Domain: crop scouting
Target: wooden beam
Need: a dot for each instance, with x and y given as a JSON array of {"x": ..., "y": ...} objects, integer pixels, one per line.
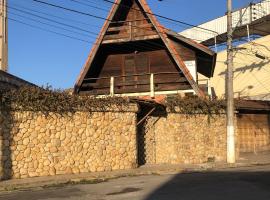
[
  {"x": 126, "y": 27},
  {"x": 144, "y": 118},
  {"x": 140, "y": 38}
]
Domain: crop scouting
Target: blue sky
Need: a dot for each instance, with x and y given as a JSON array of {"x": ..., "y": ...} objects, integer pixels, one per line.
[{"x": 46, "y": 58}]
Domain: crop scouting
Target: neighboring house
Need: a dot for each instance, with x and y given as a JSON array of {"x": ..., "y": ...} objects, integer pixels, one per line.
[
  {"x": 252, "y": 86},
  {"x": 251, "y": 71},
  {"x": 135, "y": 56},
  {"x": 10, "y": 81}
]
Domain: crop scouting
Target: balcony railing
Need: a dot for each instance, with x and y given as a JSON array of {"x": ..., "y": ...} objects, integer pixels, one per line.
[{"x": 144, "y": 84}]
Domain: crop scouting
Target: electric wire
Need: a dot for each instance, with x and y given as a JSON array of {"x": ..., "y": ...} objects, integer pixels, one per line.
[
  {"x": 54, "y": 21},
  {"x": 164, "y": 47},
  {"x": 55, "y": 16},
  {"x": 51, "y": 25},
  {"x": 88, "y": 5},
  {"x": 41, "y": 28}
]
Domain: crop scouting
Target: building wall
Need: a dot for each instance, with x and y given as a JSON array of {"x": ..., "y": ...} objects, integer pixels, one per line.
[
  {"x": 33, "y": 144},
  {"x": 251, "y": 74},
  {"x": 189, "y": 139}
]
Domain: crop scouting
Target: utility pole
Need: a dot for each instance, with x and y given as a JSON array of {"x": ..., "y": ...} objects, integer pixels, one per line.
[
  {"x": 3, "y": 36},
  {"x": 229, "y": 89}
]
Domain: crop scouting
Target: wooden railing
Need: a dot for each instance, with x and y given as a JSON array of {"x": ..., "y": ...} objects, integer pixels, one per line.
[
  {"x": 136, "y": 83},
  {"x": 149, "y": 83}
]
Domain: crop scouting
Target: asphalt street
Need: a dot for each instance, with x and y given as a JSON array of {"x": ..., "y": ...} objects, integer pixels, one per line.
[{"x": 239, "y": 184}]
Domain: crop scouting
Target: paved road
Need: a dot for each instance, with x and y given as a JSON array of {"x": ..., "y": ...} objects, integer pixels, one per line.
[{"x": 244, "y": 184}]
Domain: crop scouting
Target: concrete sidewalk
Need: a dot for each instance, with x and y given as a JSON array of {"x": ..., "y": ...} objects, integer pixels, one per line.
[
  {"x": 91, "y": 178},
  {"x": 94, "y": 177}
]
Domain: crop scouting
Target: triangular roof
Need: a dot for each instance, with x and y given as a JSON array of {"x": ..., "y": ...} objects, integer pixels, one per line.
[{"x": 161, "y": 31}]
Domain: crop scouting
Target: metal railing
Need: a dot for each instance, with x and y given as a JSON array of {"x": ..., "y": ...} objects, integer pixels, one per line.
[{"x": 241, "y": 18}]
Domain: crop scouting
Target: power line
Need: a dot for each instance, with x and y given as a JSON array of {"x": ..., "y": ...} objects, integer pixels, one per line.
[
  {"x": 87, "y": 14},
  {"x": 55, "y": 16},
  {"x": 151, "y": 43},
  {"x": 163, "y": 17},
  {"x": 145, "y": 46},
  {"x": 88, "y": 5},
  {"x": 40, "y": 28},
  {"x": 93, "y": 2},
  {"x": 85, "y": 4},
  {"x": 59, "y": 34},
  {"x": 51, "y": 20},
  {"x": 44, "y": 23},
  {"x": 103, "y": 18},
  {"x": 71, "y": 10},
  {"x": 54, "y": 32}
]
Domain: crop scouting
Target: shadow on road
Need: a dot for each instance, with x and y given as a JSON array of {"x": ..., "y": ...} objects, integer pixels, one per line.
[{"x": 215, "y": 186}]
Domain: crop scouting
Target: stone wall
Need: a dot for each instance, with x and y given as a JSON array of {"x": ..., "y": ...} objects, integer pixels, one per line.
[
  {"x": 189, "y": 139},
  {"x": 34, "y": 144}
]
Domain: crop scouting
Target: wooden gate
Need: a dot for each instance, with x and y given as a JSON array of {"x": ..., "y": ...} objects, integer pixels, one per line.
[{"x": 253, "y": 132}]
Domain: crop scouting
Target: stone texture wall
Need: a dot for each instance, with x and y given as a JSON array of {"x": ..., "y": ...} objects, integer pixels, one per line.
[
  {"x": 33, "y": 144},
  {"x": 179, "y": 138}
]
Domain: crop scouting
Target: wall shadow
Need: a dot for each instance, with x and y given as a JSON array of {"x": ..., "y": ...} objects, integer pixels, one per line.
[
  {"x": 6, "y": 161},
  {"x": 248, "y": 68},
  {"x": 241, "y": 185}
]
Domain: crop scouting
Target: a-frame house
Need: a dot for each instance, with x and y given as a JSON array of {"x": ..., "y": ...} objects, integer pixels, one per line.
[{"x": 135, "y": 55}]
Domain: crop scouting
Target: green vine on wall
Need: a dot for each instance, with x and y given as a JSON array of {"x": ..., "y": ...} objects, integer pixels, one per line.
[
  {"x": 48, "y": 100},
  {"x": 195, "y": 105}
]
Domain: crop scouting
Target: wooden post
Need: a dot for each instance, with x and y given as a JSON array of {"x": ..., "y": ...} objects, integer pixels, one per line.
[
  {"x": 112, "y": 86},
  {"x": 152, "y": 86}
]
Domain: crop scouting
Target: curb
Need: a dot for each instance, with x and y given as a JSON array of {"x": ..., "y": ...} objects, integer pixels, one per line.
[
  {"x": 84, "y": 180},
  {"x": 90, "y": 179}
]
